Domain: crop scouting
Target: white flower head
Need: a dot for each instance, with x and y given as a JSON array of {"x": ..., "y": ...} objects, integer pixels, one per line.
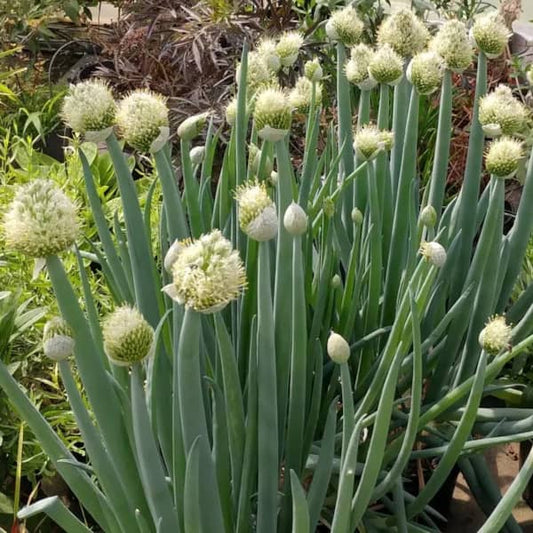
[
  {"x": 58, "y": 343},
  {"x": 258, "y": 73},
  {"x": 386, "y": 66},
  {"x": 496, "y": 335},
  {"x": 197, "y": 154},
  {"x": 295, "y": 220},
  {"x": 313, "y": 70},
  {"x": 452, "y": 43},
  {"x": 503, "y": 157},
  {"x": 356, "y": 68},
  {"x": 191, "y": 127},
  {"x": 500, "y": 113},
  {"x": 301, "y": 94},
  {"x": 288, "y": 47},
  {"x": 272, "y": 114},
  {"x": 425, "y": 72},
  {"x": 428, "y": 216},
  {"x": 434, "y": 253},
  {"x": 257, "y": 212},
  {"x": 266, "y": 49},
  {"x": 490, "y": 34},
  {"x": 369, "y": 141},
  {"x": 345, "y": 26}
]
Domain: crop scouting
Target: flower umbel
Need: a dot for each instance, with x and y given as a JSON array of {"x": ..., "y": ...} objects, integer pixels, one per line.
[
  {"x": 257, "y": 212},
  {"x": 313, "y": 70},
  {"x": 490, "y": 34},
  {"x": 356, "y": 69},
  {"x": 128, "y": 338},
  {"x": 58, "y": 343},
  {"x": 142, "y": 118},
  {"x": 272, "y": 114},
  {"x": 207, "y": 274},
  {"x": 404, "y": 32},
  {"x": 434, "y": 253},
  {"x": 386, "y": 66},
  {"x": 501, "y": 113},
  {"x": 266, "y": 50},
  {"x": 425, "y": 72},
  {"x": 496, "y": 335},
  {"x": 41, "y": 220},
  {"x": 301, "y": 94},
  {"x": 345, "y": 26},
  {"x": 503, "y": 157},
  {"x": 370, "y": 140},
  {"x": 288, "y": 47},
  {"x": 452, "y": 44}
]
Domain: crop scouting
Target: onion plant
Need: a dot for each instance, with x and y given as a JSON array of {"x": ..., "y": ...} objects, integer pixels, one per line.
[{"x": 296, "y": 339}]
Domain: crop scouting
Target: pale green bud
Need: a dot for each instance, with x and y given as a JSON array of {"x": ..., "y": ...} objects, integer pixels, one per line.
[
  {"x": 336, "y": 281},
  {"x": 313, "y": 70},
  {"x": 300, "y": 96},
  {"x": 257, "y": 212},
  {"x": 288, "y": 47},
  {"x": 328, "y": 206},
  {"x": 338, "y": 349},
  {"x": 197, "y": 154},
  {"x": 272, "y": 114},
  {"x": 369, "y": 141},
  {"x": 191, "y": 127},
  {"x": 490, "y": 34},
  {"x": 345, "y": 26},
  {"x": 452, "y": 43},
  {"x": 41, "y": 220},
  {"x": 386, "y": 66},
  {"x": 142, "y": 119},
  {"x": 503, "y": 157},
  {"x": 425, "y": 72},
  {"x": 495, "y": 336},
  {"x": 295, "y": 220},
  {"x": 433, "y": 253},
  {"x": 128, "y": 338},
  {"x": 58, "y": 343},
  {"x": 90, "y": 108},
  {"x": 356, "y": 69},
  {"x": 404, "y": 32},
  {"x": 357, "y": 216},
  {"x": 207, "y": 274},
  {"x": 428, "y": 216},
  {"x": 501, "y": 113}
]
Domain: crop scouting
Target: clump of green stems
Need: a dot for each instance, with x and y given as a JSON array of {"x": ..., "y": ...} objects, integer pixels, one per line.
[{"x": 240, "y": 421}]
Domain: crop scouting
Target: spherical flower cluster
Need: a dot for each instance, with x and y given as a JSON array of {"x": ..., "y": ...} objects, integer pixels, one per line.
[
  {"x": 288, "y": 47},
  {"x": 231, "y": 111},
  {"x": 142, "y": 119},
  {"x": 452, "y": 43},
  {"x": 191, "y": 127},
  {"x": 300, "y": 96},
  {"x": 338, "y": 349},
  {"x": 495, "y": 336},
  {"x": 207, "y": 274},
  {"x": 41, "y": 220},
  {"x": 356, "y": 69},
  {"x": 425, "y": 72},
  {"x": 257, "y": 213},
  {"x": 386, "y": 66},
  {"x": 404, "y": 32},
  {"x": 490, "y": 34},
  {"x": 501, "y": 113},
  {"x": 369, "y": 141},
  {"x": 272, "y": 114},
  {"x": 258, "y": 73},
  {"x": 295, "y": 220},
  {"x": 345, "y": 26},
  {"x": 58, "y": 343},
  {"x": 90, "y": 108},
  {"x": 434, "y": 253},
  {"x": 313, "y": 70},
  {"x": 266, "y": 49},
  {"x": 128, "y": 338},
  {"x": 503, "y": 157}
]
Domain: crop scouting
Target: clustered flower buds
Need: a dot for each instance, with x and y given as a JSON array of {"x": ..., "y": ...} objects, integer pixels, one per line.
[
  {"x": 58, "y": 343},
  {"x": 128, "y": 338},
  {"x": 503, "y": 157},
  {"x": 313, "y": 70},
  {"x": 338, "y": 349},
  {"x": 490, "y": 34},
  {"x": 295, "y": 220},
  {"x": 501, "y": 113},
  {"x": 272, "y": 114},
  {"x": 452, "y": 43},
  {"x": 433, "y": 253},
  {"x": 191, "y": 127},
  {"x": 369, "y": 141},
  {"x": 207, "y": 273},
  {"x": 425, "y": 72},
  {"x": 356, "y": 68},
  {"x": 41, "y": 220},
  {"x": 142, "y": 119},
  {"x": 258, "y": 73},
  {"x": 404, "y": 32},
  {"x": 266, "y": 49},
  {"x": 345, "y": 26},
  {"x": 386, "y": 66},
  {"x": 301, "y": 94},
  {"x": 288, "y": 47},
  {"x": 90, "y": 108},
  {"x": 495, "y": 336},
  {"x": 257, "y": 212}
]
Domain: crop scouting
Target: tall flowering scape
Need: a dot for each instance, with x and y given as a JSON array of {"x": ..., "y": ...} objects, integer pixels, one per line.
[{"x": 301, "y": 332}]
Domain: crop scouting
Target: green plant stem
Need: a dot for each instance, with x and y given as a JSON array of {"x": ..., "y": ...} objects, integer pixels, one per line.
[
  {"x": 192, "y": 190},
  {"x": 399, "y": 119}
]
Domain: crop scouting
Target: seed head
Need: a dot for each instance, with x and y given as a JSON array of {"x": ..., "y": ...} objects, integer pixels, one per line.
[
  {"x": 58, "y": 343},
  {"x": 90, "y": 108},
  {"x": 369, "y": 141},
  {"x": 503, "y": 157},
  {"x": 386, "y": 66},
  {"x": 501, "y": 113},
  {"x": 452, "y": 43},
  {"x": 266, "y": 49},
  {"x": 207, "y": 274},
  {"x": 313, "y": 70},
  {"x": 272, "y": 114},
  {"x": 338, "y": 348},
  {"x": 300, "y": 96},
  {"x": 258, "y": 74},
  {"x": 434, "y": 253},
  {"x": 496, "y": 335},
  {"x": 295, "y": 220},
  {"x": 257, "y": 212},
  {"x": 345, "y": 26},
  {"x": 128, "y": 338},
  {"x": 288, "y": 47},
  {"x": 191, "y": 127},
  {"x": 404, "y": 32},
  {"x": 425, "y": 72},
  {"x": 490, "y": 34},
  {"x": 41, "y": 220}
]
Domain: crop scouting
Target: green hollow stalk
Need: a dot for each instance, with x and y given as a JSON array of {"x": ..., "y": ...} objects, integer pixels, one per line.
[
  {"x": 399, "y": 120},
  {"x": 348, "y": 412},
  {"x": 300, "y": 509},
  {"x": 192, "y": 191},
  {"x": 363, "y": 117}
]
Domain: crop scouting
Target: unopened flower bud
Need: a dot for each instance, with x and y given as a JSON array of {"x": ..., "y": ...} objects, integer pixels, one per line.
[
  {"x": 336, "y": 281},
  {"x": 58, "y": 343},
  {"x": 90, "y": 108},
  {"x": 41, "y": 220},
  {"x": 357, "y": 216},
  {"x": 503, "y": 157},
  {"x": 386, "y": 66},
  {"x": 128, "y": 338},
  {"x": 428, "y": 216},
  {"x": 338, "y": 348},
  {"x": 425, "y": 72},
  {"x": 490, "y": 34},
  {"x": 369, "y": 141},
  {"x": 345, "y": 26},
  {"x": 274, "y": 177},
  {"x": 142, "y": 119},
  {"x": 313, "y": 70},
  {"x": 495, "y": 336},
  {"x": 192, "y": 127},
  {"x": 197, "y": 154},
  {"x": 272, "y": 114},
  {"x": 257, "y": 212},
  {"x": 328, "y": 206},
  {"x": 434, "y": 253},
  {"x": 288, "y": 47},
  {"x": 500, "y": 113},
  {"x": 300, "y": 96},
  {"x": 452, "y": 43},
  {"x": 356, "y": 69},
  {"x": 295, "y": 220}
]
